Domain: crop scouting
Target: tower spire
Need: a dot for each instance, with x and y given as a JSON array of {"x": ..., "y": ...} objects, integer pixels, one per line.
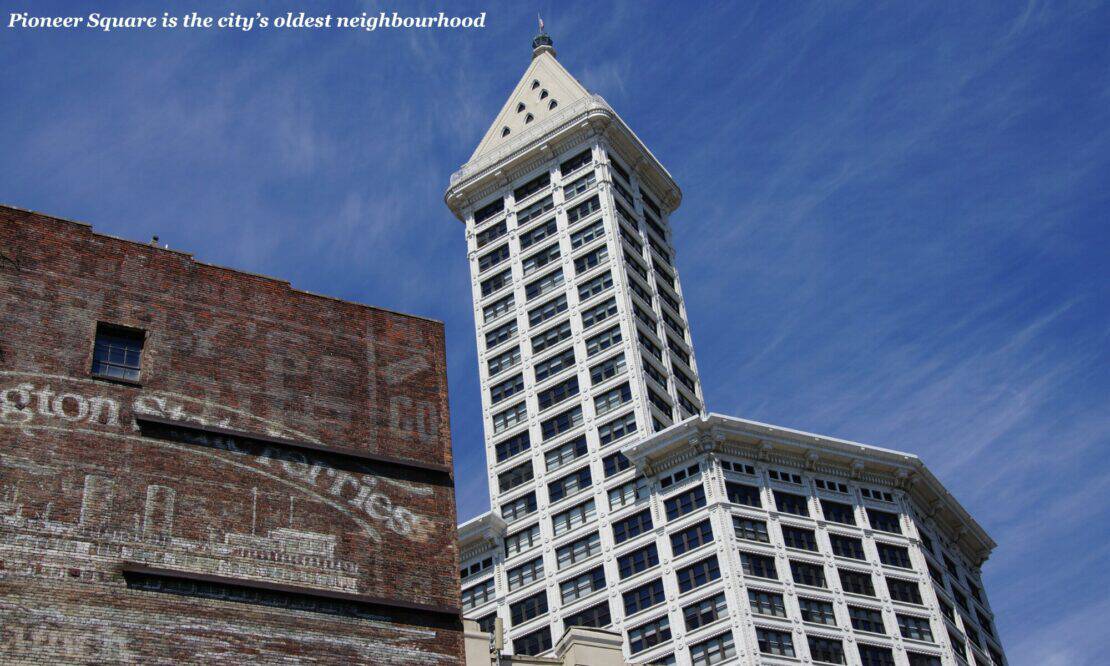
[{"x": 542, "y": 41}]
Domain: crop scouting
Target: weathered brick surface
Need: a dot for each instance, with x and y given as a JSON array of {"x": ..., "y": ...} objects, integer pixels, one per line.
[{"x": 82, "y": 490}]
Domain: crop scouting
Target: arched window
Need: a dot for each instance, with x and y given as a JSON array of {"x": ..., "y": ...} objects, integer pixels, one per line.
[
  {"x": 504, "y": 131},
  {"x": 528, "y": 118},
  {"x": 520, "y": 107},
  {"x": 535, "y": 84},
  {"x": 553, "y": 104},
  {"x": 543, "y": 94}
]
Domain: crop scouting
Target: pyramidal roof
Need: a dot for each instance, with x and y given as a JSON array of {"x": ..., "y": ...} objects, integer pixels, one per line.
[{"x": 545, "y": 88}]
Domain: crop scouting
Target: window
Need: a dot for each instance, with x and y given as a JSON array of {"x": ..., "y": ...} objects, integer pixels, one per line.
[
  {"x": 791, "y": 503},
  {"x": 508, "y": 448},
  {"x": 607, "y": 369},
  {"x": 766, "y": 603},
  {"x": 628, "y": 493},
  {"x": 531, "y": 187},
  {"x": 595, "y": 286},
  {"x": 565, "y": 453},
  {"x": 527, "y": 573},
  {"x": 739, "y": 493},
  {"x": 488, "y": 211},
  {"x": 594, "y": 616},
  {"x": 884, "y": 521},
  {"x": 856, "y": 582},
  {"x": 635, "y": 265},
  {"x": 497, "y": 308},
  {"x": 873, "y": 655},
  {"x": 543, "y": 94},
  {"x": 519, "y": 507},
  {"x": 504, "y": 132},
  {"x": 599, "y": 313},
  {"x": 575, "y": 163},
  {"x": 476, "y": 568},
  {"x": 698, "y": 574},
  {"x": 582, "y": 585},
  {"x": 961, "y": 600},
  {"x": 587, "y": 235},
  {"x": 553, "y": 365},
  {"x": 904, "y": 590},
  {"x": 614, "y": 464},
  {"x": 478, "y": 595},
  {"x": 918, "y": 659},
  {"x": 493, "y": 257},
  {"x": 534, "y": 211},
  {"x": 506, "y": 389},
  {"x": 551, "y": 105},
  {"x": 557, "y": 393},
  {"x": 619, "y": 169},
  {"x": 895, "y": 556},
  {"x": 846, "y": 546},
  {"x": 683, "y": 503},
  {"x": 817, "y": 611},
  {"x": 515, "y": 476},
  {"x": 547, "y": 311},
  {"x": 774, "y": 642},
  {"x": 946, "y": 610},
  {"x": 739, "y": 468},
  {"x": 591, "y": 259},
  {"x": 550, "y": 337},
  {"x": 680, "y": 475},
  {"x": 521, "y": 541},
  {"x": 877, "y": 495},
  {"x": 750, "y": 529},
  {"x": 497, "y": 282},
  {"x": 584, "y": 209},
  {"x": 512, "y": 416},
  {"x": 649, "y": 635},
  {"x": 692, "y": 537},
  {"x": 631, "y": 527},
  {"x": 538, "y": 260},
  {"x": 838, "y": 512},
  {"x": 760, "y": 566},
  {"x": 643, "y": 597},
  {"x": 491, "y": 234},
  {"x": 501, "y": 334},
  {"x": 543, "y": 285},
  {"x": 538, "y": 233},
  {"x": 568, "y": 485},
  {"x": 117, "y": 352},
  {"x": 651, "y": 205},
  {"x": 660, "y": 403},
  {"x": 535, "y": 84},
  {"x": 534, "y": 643},
  {"x": 617, "y": 428},
  {"x": 603, "y": 341},
  {"x": 578, "y": 550},
  {"x": 579, "y": 186},
  {"x": 958, "y": 645},
  {"x": 805, "y": 573},
  {"x": 866, "y": 619},
  {"x": 638, "y": 560},
  {"x": 503, "y": 361},
  {"x": 486, "y": 623},
  {"x": 716, "y": 650},
  {"x": 785, "y": 477},
  {"x": 572, "y": 518},
  {"x": 800, "y": 538},
  {"x": 917, "y": 628},
  {"x": 560, "y": 423},
  {"x": 826, "y": 650}
]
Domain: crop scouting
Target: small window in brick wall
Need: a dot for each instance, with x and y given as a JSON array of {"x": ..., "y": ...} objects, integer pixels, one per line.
[{"x": 117, "y": 352}]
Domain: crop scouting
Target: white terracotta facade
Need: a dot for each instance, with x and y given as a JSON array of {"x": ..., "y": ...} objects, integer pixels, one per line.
[{"x": 595, "y": 425}]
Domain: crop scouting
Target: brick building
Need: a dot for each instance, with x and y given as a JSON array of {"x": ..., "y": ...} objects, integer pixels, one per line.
[{"x": 201, "y": 464}]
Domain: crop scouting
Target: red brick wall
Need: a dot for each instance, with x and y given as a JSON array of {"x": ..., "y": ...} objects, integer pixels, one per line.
[{"x": 83, "y": 490}]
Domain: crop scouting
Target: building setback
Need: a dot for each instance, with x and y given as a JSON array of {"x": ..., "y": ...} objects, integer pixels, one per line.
[
  {"x": 618, "y": 502},
  {"x": 201, "y": 464}
]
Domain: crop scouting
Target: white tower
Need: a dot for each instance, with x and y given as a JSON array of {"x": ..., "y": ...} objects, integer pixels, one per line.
[{"x": 585, "y": 355}]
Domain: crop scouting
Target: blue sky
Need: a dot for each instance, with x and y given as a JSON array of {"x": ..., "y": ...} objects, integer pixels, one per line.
[{"x": 895, "y": 224}]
